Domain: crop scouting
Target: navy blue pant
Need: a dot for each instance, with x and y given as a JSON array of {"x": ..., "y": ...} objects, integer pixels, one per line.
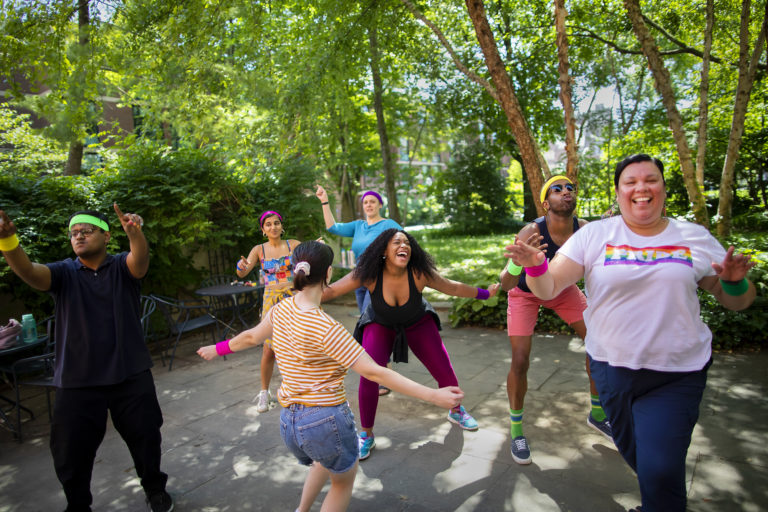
[
  {"x": 652, "y": 416},
  {"x": 80, "y": 422},
  {"x": 363, "y": 298}
]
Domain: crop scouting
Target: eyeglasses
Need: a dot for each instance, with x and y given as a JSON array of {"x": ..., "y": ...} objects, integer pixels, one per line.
[
  {"x": 559, "y": 188},
  {"x": 85, "y": 232}
]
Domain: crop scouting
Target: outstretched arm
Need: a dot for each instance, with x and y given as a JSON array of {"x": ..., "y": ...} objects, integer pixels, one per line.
[
  {"x": 327, "y": 213},
  {"x": 245, "y": 265},
  {"x": 344, "y": 285},
  {"x": 34, "y": 274},
  {"x": 546, "y": 281},
  {"x": 730, "y": 286},
  {"x": 457, "y": 289},
  {"x": 447, "y": 397},
  {"x": 510, "y": 275},
  {"x": 138, "y": 257},
  {"x": 245, "y": 340}
]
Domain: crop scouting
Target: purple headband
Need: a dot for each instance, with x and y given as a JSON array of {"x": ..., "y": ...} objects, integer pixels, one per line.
[
  {"x": 269, "y": 213},
  {"x": 374, "y": 194}
]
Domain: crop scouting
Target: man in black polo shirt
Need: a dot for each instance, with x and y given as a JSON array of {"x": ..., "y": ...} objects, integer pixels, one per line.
[{"x": 102, "y": 363}]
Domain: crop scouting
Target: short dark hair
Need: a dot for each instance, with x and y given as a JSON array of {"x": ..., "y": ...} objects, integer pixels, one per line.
[
  {"x": 319, "y": 256},
  {"x": 633, "y": 159},
  {"x": 370, "y": 263}
]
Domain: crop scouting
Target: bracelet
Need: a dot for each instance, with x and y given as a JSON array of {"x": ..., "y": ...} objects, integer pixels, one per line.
[
  {"x": 537, "y": 270},
  {"x": 323, "y": 204},
  {"x": 482, "y": 294},
  {"x": 222, "y": 348},
  {"x": 735, "y": 288},
  {"x": 513, "y": 269},
  {"x": 9, "y": 243}
]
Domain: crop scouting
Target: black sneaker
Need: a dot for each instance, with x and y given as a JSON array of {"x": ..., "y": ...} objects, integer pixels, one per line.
[{"x": 160, "y": 502}]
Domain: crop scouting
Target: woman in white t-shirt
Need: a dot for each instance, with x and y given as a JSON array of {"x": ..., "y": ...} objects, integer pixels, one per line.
[{"x": 649, "y": 349}]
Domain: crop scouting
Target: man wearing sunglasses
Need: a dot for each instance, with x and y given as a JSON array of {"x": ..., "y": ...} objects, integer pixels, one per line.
[
  {"x": 102, "y": 362},
  {"x": 558, "y": 197}
]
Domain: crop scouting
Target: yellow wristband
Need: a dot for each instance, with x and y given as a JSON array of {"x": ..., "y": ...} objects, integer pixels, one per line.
[{"x": 9, "y": 243}]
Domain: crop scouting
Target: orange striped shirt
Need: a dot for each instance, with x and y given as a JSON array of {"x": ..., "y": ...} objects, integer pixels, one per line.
[{"x": 313, "y": 352}]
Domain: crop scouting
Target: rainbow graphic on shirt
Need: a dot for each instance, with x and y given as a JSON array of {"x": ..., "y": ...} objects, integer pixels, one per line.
[{"x": 628, "y": 255}]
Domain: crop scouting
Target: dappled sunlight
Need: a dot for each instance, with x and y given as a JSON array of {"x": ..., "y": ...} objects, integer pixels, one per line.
[
  {"x": 525, "y": 496},
  {"x": 464, "y": 470},
  {"x": 244, "y": 466},
  {"x": 576, "y": 344}
]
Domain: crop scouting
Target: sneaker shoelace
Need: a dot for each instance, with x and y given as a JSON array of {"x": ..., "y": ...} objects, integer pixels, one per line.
[{"x": 521, "y": 444}]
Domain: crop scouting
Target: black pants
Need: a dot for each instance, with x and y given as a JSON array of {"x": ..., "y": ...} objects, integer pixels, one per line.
[{"x": 79, "y": 424}]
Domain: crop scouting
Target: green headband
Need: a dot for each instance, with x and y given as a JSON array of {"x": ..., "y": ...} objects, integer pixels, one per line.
[{"x": 84, "y": 218}]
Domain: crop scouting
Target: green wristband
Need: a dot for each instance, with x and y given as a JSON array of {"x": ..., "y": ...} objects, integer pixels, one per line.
[
  {"x": 513, "y": 269},
  {"x": 735, "y": 288}
]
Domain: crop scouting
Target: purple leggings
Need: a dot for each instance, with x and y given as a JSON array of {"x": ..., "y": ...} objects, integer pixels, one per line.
[{"x": 426, "y": 344}]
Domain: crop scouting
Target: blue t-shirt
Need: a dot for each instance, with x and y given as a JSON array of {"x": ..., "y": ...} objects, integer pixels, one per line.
[
  {"x": 362, "y": 234},
  {"x": 98, "y": 335}
]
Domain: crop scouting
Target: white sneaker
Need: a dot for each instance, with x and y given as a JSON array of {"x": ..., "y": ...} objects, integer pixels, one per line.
[{"x": 262, "y": 401}]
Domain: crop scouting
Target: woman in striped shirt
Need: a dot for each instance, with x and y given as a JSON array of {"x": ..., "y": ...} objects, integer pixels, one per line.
[{"x": 314, "y": 353}]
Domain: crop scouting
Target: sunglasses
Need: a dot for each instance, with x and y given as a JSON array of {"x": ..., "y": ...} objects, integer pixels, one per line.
[{"x": 559, "y": 188}]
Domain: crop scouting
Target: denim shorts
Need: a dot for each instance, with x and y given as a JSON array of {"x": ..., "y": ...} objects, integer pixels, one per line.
[{"x": 326, "y": 435}]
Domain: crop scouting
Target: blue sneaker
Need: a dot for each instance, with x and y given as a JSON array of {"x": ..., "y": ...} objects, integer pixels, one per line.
[
  {"x": 604, "y": 427},
  {"x": 462, "y": 419},
  {"x": 521, "y": 452},
  {"x": 365, "y": 444}
]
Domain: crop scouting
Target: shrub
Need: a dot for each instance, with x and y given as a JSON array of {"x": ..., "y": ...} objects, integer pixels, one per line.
[{"x": 190, "y": 202}]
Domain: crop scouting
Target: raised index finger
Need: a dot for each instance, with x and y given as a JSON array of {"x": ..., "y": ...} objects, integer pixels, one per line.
[{"x": 117, "y": 210}]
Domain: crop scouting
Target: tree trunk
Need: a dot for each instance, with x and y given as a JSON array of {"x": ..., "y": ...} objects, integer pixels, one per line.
[
  {"x": 381, "y": 127},
  {"x": 701, "y": 144},
  {"x": 664, "y": 87},
  {"x": 565, "y": 81},
  {"x": 74, "y": 164},
  {"x": 529, "y": 151},
  {"x": 747, "y": 71},
  {"x": 75, "y": 157}
]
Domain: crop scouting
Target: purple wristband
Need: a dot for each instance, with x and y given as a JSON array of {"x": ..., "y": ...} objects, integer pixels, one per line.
[
  {"x": 482, "y": 294},
  {"x": 222, "y": 348},
  {"x": 537, "y": 270}
]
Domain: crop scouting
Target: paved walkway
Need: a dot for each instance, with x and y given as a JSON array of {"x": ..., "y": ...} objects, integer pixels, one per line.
[{"x": 223, "y": 456}]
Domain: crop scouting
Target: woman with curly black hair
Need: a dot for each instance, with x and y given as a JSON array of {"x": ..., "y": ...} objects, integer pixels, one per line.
[{"x": 395, "y": 269}]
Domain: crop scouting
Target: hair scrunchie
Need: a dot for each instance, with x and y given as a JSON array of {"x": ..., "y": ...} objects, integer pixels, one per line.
[{"x": 303, "y": 266}]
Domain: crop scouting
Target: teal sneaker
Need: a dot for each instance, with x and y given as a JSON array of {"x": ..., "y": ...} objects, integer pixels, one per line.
[
  {"x": 365, "y": 444},
  {"x": 462, "y": 419}
]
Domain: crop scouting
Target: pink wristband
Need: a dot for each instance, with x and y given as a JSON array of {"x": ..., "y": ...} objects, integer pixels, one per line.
[
  {"x": 537, "y": 270},
  {"x": 222, "y": 348}
]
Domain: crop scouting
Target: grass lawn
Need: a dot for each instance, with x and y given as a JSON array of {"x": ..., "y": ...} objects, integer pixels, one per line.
[{"x": 475, "y": 260}]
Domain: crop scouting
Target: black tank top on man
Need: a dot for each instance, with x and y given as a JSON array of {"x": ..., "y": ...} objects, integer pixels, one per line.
[
  {"x": 551, "y": 249},
  {"x": 397, "y": 318}
]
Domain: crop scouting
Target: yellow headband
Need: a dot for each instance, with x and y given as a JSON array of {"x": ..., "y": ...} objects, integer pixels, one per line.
[{"x": 549, "y": 182}]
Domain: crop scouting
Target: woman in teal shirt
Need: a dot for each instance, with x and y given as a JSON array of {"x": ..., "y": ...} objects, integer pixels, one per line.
[{"x": 362, "y": 232}]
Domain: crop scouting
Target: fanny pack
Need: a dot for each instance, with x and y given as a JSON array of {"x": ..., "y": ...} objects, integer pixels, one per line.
[{"x": 9, "y": 334}]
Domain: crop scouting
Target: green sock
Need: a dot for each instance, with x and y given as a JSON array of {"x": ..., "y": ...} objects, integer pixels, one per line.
[
  {"x": 516, "y": 419},
  {"x": 597, "y": 408}
]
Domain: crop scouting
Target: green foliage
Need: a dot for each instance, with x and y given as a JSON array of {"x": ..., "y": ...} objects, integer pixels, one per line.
[
  {"x": 478, "y": 261},
  {"x": 32, "y": 153},
  {"x": 472, "y": 191},
  {"x": 190, "y": 202}
]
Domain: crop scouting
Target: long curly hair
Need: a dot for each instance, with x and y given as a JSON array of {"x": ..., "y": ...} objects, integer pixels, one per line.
[{"x": 370, "y": 263}]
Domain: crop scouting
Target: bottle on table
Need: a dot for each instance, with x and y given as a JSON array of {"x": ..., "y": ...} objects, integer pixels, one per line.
[{"x": 28, "y": 328}]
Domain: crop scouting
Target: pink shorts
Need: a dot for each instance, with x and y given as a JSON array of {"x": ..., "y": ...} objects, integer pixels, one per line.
[{"x": 523, "y": 309}]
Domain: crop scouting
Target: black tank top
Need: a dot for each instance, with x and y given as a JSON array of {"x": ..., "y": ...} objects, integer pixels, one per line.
[
  {"x": 551, "y": 249},
  {"x": 405, "y": 315}
]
